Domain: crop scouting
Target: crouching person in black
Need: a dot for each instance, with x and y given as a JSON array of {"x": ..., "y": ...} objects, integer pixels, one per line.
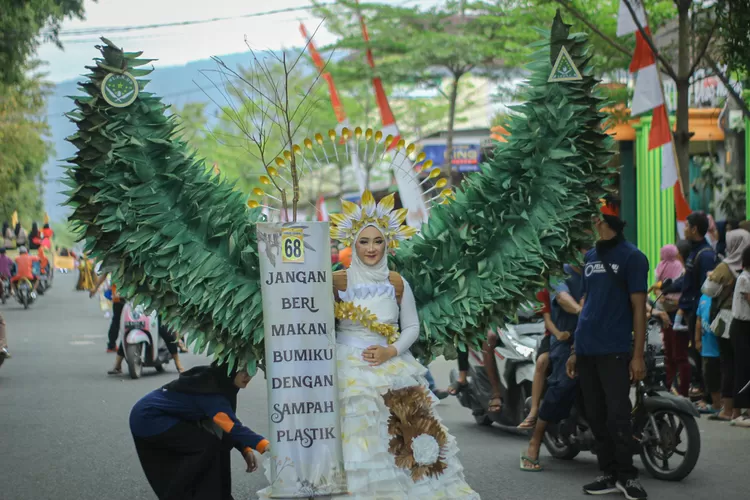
[
  {"x": 184, "y": 433},
  {"x": 561, "y": 389},
  {"x": 611, "y": 324}
]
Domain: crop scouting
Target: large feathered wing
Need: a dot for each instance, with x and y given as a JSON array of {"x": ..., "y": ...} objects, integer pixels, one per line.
[
  {"x": 525, "y": 214},
  {"x": 176, "y": 238}
]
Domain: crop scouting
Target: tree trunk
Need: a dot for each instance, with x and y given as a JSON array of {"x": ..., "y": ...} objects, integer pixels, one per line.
[
  {"x": 682, "y": 132},
  {"x": 448, "y": 162}
]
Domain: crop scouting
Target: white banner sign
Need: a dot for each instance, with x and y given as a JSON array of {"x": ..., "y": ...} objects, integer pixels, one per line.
[{"x": 297, "y": 288}]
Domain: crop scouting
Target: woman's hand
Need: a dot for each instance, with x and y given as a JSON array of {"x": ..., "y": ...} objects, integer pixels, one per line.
[
  {"x": 252, "y": 464},
  {"x": 665, "y": 319},
  {"x": 563, "y": 336},
  {"x": 376, "y": 355}
]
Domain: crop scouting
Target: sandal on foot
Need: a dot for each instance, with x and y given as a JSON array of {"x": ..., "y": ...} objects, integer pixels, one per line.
[
  {"x": 705, "y": 409},
  {"x": 535, "y": 465},
  {"x": 528, "y": 423},
  {"x": 495, "y": 405},
  {"x": 457, "y": 387},
  {"x": 720, "y": 417},
  {"x": 115, "y": 371}
]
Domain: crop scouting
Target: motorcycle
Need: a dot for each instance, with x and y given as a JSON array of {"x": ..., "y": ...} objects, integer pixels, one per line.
[
  {"x": 515, "y": 355},
  {"x": 24, "y": 293},
  {"x": 662, "y": 422},
  {"x": 142, "y": 344}
]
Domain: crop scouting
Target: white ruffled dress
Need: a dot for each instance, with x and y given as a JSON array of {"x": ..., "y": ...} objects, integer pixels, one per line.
[{"x": 371, "y": 471}]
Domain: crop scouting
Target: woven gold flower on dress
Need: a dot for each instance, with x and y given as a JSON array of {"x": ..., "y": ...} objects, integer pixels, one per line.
[
  {"x": 363, "y": 316},
  {"x": 346, "y": 225},
  {"x": 418, "y": 438}
]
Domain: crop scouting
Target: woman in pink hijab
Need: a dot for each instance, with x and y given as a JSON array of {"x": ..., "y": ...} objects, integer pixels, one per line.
[
  {"x": 670, "y": 266},
  {"x": 675, "y": 343}
]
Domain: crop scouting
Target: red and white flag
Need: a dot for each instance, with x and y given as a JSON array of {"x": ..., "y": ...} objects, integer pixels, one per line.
[
  {"x": 648, "y": 95},
  {"x": 409, "y": 190},
  {"x": 322, "y": 210},
  {"x": 338, "y": 108}
]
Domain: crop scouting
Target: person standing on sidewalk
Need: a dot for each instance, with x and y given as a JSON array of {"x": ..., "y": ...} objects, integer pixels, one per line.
[
  {"x": 700, "y": 262},
  {"x": 615, "y": 281},
  {"x": 117, "y": 306}
]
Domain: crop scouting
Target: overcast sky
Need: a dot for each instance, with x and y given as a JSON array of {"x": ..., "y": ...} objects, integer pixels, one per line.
[{"x": 181, "y": 44}]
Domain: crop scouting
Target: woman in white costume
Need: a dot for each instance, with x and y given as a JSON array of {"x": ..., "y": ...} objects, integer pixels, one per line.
[{"x": 371, "y": 304}]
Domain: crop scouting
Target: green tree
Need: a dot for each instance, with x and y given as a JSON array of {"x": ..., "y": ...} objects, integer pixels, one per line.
[
  {"x": 694, "y": 47},
  {"x": 21, "y": 22},
  {"x": 23, "y": 149},
  {"x": 416, "y": 46},
  {"x": 734, "y": 35}
]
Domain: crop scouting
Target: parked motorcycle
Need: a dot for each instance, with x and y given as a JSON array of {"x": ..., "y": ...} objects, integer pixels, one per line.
[
  {"x": 515, "y": 356},
  {"x": 24, "y": 293},
  {"x": 142, "y": 344},
  {"x": 664, "y": 425}
]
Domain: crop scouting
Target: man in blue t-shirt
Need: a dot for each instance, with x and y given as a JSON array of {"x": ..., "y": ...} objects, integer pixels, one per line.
[{"x": 615, "y": 281}]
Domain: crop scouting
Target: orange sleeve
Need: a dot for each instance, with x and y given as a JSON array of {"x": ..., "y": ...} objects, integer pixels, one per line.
[
  {"x": 262, "y": 446},
  {"x": 224, "y": 421}
]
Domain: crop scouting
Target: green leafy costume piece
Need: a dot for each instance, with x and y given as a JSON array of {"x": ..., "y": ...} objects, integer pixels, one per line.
[
  {"x": 526, "y": 213},
  {"x": 183, "y": 242},
  {"x": 176, "y": 239}
]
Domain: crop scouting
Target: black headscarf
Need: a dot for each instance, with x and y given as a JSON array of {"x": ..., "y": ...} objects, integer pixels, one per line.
[
  {"x": 18, "y": 229},
  {"x": 34, "y": 231},
  {"x": 212, "y": 379},
  {"x": 6, "y": 226}
]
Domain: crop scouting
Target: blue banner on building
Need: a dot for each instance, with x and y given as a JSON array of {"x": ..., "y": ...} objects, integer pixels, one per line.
[{"x": 466, "y": 157}]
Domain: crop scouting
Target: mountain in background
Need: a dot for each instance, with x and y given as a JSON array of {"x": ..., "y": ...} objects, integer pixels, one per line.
[{"x": 177, "y": 85}]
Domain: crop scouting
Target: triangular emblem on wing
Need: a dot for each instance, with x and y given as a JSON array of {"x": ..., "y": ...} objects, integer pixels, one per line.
[{"x": 564, "y": 69}]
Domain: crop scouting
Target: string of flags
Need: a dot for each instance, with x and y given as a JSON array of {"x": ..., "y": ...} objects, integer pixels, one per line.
[{"x": 648, "y": 95}]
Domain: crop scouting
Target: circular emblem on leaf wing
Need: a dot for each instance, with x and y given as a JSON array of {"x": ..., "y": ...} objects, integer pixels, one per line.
[{"x": 119, "y": 89}]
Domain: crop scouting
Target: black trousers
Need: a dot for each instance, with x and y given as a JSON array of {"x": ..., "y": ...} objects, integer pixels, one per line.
[
  {"x": 739, "y": 333},
  {"x": 114, "y": 326},
  {"x": 726, "y": 355},
  {"x": 463, "y": 360},
  {"x": 605, "y": 386},
  {"x": 186, "y": 463}
]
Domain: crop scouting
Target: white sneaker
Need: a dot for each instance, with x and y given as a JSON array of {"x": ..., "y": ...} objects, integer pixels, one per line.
[{"x": 741, "y": 421}]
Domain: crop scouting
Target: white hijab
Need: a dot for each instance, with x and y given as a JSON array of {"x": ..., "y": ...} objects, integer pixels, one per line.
[{"x": 360, "y": 273}]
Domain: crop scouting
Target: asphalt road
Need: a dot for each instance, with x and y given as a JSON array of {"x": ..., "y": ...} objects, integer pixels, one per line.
[{"x": 64, "y": 424}]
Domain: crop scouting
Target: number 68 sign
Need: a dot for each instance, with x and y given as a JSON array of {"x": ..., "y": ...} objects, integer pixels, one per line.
[{"x": 292, "y": 245}]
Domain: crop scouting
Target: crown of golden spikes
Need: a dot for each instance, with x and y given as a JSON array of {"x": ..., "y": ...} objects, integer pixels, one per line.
[{"x": 390, "y": 222}]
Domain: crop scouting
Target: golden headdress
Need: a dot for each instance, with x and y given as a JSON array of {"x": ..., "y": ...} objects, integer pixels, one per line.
[{"x": 345, "y": 226}]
